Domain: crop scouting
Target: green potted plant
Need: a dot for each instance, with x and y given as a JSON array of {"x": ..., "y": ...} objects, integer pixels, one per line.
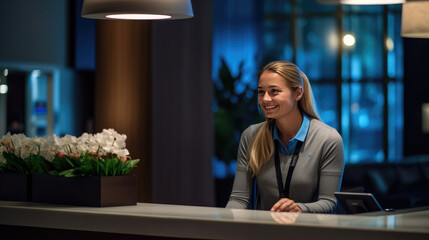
[{"x": 89, "y": 170}]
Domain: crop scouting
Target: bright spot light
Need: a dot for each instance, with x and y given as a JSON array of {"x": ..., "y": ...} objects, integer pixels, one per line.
[
  {"x": 36, "y": 73},
  {"x": 349, "y": 40},
  {"x": 5, "y": 72},
  {"x": 389, "y": 44},
  {"x": 3, "y": 89},
  {"x": 138, "y": 16}
]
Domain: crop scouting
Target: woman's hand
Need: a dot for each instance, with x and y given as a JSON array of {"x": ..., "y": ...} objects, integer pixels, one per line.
[
  {"x": 286, "y": 205},
  {"x": 284, "y": 217}
]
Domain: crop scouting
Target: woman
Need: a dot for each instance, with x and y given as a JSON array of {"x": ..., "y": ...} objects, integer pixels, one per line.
[{"x": 292, "y": 132}]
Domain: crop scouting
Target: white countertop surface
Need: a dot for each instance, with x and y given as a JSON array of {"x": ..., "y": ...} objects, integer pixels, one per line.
[{"x": 214, "y": 223}]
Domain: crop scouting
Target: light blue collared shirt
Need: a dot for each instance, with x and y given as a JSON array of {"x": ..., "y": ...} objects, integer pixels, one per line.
[{"x": 300, "y": 136}]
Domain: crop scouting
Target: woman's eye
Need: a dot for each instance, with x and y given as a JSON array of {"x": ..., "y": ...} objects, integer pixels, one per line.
[
  {"x": 274, "y": 91},
  {"x": 260, "y": 92}
]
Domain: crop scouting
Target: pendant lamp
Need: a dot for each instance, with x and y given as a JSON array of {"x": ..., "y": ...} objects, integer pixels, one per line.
[
  {"x": 415, "y": 19},
  {"x": 361, "y": 2},
  {"x": 371, "y": 2},
  {"x": 137, "y": 9}
]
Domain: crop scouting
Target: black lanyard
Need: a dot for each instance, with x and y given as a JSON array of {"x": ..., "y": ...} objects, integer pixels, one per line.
[{"x": 284, "y": 192}]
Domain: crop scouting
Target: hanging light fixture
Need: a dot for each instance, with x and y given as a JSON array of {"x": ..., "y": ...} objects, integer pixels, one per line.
[
  {"x": 361, "y": 2},
  {"x": 137, "y": 9},
  {"x": 415, "y": 19},
  {"x": 371, "y": 2}
]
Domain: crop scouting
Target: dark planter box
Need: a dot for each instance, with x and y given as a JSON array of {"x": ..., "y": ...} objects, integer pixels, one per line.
[
  {"x": 15, "y": 187},
  {"x": 85, "y": 191}
]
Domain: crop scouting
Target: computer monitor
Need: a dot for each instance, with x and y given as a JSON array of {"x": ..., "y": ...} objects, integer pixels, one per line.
[{"x": 358, "y": 202}]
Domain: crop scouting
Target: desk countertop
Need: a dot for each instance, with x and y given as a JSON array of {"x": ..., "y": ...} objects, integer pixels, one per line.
[{"x": 214, "y": 223}]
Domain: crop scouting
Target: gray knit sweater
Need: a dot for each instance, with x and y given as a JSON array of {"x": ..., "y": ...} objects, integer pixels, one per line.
[{"x": 316, "y": 177}]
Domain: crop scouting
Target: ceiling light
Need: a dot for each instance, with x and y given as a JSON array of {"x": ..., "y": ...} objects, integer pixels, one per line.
[
  {"x": 371, "y": 2},
  {"x": 137, "y": 9},
  {"x": 3, "y": 89},
  {"x": 349, "y": 40},
  {"x": 138, "y": 16},
  {"x": 389, "y": 44},
  {"x": 361, "y": 2},
  {"x": 415, "y": 19}
]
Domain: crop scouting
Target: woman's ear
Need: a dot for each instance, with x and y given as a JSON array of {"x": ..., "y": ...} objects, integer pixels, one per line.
[{"x": 299, "y": 93}]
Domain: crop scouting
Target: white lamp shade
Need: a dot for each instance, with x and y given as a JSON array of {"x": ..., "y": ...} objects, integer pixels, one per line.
[
  {"x": 371, "y": 2},
  {"x": 361, "y": 2},
  {"x": 415, "y": 19},
  {"x": 137, "y": 9}
]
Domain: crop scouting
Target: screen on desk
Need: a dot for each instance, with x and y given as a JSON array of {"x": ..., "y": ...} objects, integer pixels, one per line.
[{"x": 358, "y": 202}]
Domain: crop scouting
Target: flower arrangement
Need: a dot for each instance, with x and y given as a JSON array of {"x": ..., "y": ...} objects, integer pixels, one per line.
[{"x": 101, "y": 154}]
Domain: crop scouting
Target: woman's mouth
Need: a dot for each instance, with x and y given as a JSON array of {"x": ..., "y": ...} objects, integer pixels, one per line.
[{"x": 271, "y": 107}]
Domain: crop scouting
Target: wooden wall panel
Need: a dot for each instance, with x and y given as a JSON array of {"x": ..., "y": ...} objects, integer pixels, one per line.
[{"x": 123, "y": 90}]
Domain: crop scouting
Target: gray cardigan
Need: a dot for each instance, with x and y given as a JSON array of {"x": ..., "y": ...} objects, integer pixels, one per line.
[{"x": 316, "y": 177}]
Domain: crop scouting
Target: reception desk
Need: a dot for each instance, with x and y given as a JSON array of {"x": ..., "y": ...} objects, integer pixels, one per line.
[{"x": 158, "y": 221}]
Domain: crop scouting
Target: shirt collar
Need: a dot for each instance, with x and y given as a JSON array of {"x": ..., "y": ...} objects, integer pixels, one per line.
[
  {"x": 303, "y": 130},
  {"x": 300, "y": 136}
]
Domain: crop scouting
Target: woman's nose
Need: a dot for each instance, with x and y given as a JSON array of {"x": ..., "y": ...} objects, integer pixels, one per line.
[{"x": 266, "y": 97}]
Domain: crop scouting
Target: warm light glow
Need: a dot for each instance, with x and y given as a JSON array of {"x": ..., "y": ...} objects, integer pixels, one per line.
[
  {"x": 333, "y": 41},
  {"x": 389, "y": 44},
  {"x": 371, "y": 2},
  {"x": 137, "y": 9},
  {"x": 3, "y": 89},
  {"x": 415, "y": 18},
  {"x": 138, "y": 16},
  {"x": 349, "y": 40}
]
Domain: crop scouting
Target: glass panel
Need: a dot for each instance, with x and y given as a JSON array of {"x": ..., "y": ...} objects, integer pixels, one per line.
[
  {"x": 394, "y": 45},
  {"x": 363, "y": 8},
  {"x": 236, "y": 37},
  {"x": 325, "y": 96},
  {"x": 277, "y": 40},
  {"x": 65, "y": 102},
  {"x": 305, "y": 6},
  {"x": 365, "y": 129},
  {"x": 396, "y": 120},
  {"x": 37, "y": 104},
  {"x": 363, "y": 49},
  {"x": 317, "y": 40},
  {"x": 236, "y": 52},
  {"x": 277, "y": 7},
  {"x": 345, "y": 119},
  {"x": 395, "y": 7}
]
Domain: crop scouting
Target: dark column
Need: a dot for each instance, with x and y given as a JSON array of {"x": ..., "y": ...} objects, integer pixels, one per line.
[{"x": 182, "y": 115}]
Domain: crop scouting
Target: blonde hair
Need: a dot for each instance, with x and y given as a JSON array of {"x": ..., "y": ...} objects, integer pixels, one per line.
[{"x": 262, "y": 146}]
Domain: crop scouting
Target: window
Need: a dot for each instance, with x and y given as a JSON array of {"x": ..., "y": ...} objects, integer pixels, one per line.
[
  {"x": 351, "y": 54},
  {"x": 353, "y": 58}
]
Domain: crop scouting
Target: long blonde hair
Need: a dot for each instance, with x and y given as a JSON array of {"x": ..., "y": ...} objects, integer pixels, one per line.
[{"x": 262, "y": 146}]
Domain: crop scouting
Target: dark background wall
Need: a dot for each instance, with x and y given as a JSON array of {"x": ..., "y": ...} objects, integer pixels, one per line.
[
  {"x": 34, "y": 31},
  {"x": 416, "y": 92}
]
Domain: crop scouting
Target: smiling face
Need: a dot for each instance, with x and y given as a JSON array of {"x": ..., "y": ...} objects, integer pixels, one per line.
[{"x": 275, "y": 98}]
